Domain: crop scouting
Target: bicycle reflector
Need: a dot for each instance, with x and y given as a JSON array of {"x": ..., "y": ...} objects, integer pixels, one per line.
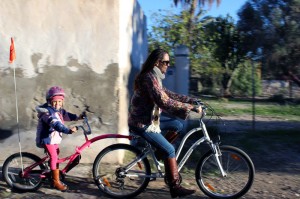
[
  {"x": 209, "y": 186},
  {"x": 139, "y": 165},
  {"x": 236, "y": 157},
  {"x": 106, "y": 182}
]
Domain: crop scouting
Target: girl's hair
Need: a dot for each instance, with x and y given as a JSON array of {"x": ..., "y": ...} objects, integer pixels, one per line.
[{"x": 155, "y": 55}]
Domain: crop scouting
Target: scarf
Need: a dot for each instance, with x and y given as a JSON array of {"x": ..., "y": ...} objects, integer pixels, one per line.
[{"x": 154, "y": 127}]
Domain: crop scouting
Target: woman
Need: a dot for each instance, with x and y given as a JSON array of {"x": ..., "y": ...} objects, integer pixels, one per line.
[{"x": 148, "y": 100}]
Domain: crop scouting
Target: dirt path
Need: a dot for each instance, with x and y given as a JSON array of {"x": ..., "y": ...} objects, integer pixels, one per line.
[
  {"x": 277, "y": 173},
  {"x": 268, "y": 184}
]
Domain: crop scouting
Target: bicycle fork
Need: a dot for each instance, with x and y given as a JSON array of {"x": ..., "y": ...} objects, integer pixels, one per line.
[{"x": 217, "y": 154}]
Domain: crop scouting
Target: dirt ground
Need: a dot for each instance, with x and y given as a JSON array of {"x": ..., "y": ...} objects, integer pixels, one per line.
[{"x": 277, "y": 171}]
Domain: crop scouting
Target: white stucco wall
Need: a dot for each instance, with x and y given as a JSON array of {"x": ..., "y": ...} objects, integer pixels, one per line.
[
  {"x": 58, "y": 31},
  {"x": 88, "y": 47},
  {"x": 132, "y": 51}
]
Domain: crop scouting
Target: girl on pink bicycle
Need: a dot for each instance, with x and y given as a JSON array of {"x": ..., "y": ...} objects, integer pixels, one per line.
[{"x": 51, "y": 127}]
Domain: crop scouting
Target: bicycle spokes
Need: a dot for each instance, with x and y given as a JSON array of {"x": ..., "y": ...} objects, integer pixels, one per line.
[
  {"x": 120, "y": 171},
  {"x": 239, "y": 173}
]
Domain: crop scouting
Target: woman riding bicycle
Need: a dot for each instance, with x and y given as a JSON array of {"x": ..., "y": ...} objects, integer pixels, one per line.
[{"x": 148, "y": 100}]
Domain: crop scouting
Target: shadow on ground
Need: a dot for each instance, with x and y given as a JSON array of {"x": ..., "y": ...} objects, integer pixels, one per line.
[{"x": 4, "y": 133}]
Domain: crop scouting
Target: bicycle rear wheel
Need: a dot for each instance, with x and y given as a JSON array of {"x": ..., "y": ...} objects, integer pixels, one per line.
[
  {"x": 12, "y": 172},
  {"x": 117, "y": 172},
  {"x": 238, "y": 167}
]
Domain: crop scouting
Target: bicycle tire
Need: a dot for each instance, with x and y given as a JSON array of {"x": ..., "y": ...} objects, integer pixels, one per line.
[
  {"x": 12, "y": 168},
  {"x": 238, "y": 166},
  {"x": 109, "y": 174}
]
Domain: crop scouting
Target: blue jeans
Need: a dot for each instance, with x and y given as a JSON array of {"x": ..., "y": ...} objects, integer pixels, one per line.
[
  {"x": 157, "y": 139},
  {"x": 170, "y": 124}
]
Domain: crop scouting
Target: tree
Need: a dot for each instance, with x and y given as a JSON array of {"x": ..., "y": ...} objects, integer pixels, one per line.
[
  {"x": 271, "y": 32},
  {"x": 190, "y": 6},
  {"x": 170, "y": 31},
  {"x": 242, "y": 83},
  {"x": 227, "y": 49},
  {"x": 214, "y": 45}
]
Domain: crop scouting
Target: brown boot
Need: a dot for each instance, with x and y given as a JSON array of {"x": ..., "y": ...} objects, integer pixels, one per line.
[
  {"x": 176, "y": 190},
  {"x": 57, "y": 184},
  {"x": 171, "y": 137}
]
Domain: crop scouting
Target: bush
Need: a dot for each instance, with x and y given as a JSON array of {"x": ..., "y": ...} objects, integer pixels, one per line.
[{"x": 242, "y": 80}]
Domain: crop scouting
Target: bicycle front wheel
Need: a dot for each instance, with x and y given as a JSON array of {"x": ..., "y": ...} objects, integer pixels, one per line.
[
  {"x": 13, "y": 167},
  {"x": 118, "y": 173},
  {"x": 239, "y": 171}
]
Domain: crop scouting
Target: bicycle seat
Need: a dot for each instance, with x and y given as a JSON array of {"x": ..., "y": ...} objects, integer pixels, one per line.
[
  {"x": 138, "y": 140},
  {"x": 133, "y": 133}
]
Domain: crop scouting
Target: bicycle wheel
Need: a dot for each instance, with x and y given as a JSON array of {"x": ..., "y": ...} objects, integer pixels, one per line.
[
  {"x": 13, "y": 167},
  {"x": 117, "y": 174},
  {"x": 238, "y": 167}
]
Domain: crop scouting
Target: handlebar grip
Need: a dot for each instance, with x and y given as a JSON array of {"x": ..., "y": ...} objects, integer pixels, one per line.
[{"x": 83, "y": 114}]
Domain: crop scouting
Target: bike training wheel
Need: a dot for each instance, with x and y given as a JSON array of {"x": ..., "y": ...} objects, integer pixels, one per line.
[
  {"x": 238, "y": 166},
  {"x": 113, "y": 178},
  {"x": 12, "y": 169}
]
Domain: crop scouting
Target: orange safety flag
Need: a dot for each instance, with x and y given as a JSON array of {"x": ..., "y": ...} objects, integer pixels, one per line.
[{"x": 12, "y": 52}]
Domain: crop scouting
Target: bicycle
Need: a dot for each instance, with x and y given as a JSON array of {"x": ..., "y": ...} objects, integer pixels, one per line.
[
  {"x": 25, "y": 171},
  {"x": 222, "y": 172}
]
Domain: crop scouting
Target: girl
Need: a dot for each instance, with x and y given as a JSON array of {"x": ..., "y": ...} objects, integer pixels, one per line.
[{"x": 50, "y": 128}]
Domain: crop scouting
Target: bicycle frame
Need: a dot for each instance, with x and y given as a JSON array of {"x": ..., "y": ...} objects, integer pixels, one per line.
[
  {"x": 206, "y": 138},
  {"x": 72, "y": 157},
  {"x": 213, "y": 146},
  {"x": 88, "y": 142}
]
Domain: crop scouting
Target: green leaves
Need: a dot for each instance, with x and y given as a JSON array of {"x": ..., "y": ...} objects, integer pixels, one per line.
[{"x": 271, "y": 32}]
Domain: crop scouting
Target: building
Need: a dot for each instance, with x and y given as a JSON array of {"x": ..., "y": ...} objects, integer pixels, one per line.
[{"x": 92, "y": 49}]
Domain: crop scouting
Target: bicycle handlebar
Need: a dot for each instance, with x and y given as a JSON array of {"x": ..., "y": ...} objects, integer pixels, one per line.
[
  {"x": 204, "y": 108},
  {"x": 87, "y": 131}
]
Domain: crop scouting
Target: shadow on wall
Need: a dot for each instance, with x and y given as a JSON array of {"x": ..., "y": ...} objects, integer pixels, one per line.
[
  {"x": 4, "y": 133},
  {"x": 139, "y": 44}
]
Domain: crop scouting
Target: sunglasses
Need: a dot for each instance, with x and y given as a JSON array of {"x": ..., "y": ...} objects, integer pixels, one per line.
[{"x": 165, "y": 62}]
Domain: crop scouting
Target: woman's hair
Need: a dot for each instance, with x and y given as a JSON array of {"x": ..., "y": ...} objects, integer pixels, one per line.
[{"x": 155, "y": 55}]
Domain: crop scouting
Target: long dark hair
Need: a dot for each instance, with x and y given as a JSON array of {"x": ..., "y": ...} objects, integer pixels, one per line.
[{"x": 155, "y": 55}]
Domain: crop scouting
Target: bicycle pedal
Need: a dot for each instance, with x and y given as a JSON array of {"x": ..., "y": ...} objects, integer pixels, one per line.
[{"x": 152, "y": 179}]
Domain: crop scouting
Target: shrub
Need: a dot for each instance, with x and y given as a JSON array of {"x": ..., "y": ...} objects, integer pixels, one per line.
[{"x": 242, "y": 80}]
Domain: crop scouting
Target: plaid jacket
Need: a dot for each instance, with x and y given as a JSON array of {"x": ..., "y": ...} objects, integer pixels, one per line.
[{"x": 150, "y": 93}]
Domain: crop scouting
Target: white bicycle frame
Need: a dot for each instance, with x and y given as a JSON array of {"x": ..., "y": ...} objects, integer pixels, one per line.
[
  {"x": 149, "y": 151},
  {"x": 213, "y": 146}
]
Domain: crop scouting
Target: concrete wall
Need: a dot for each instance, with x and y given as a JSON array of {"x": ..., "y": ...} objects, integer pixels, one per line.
[
  {"x": 178, "y": 77},
  {"x": 90, "y": 48}
]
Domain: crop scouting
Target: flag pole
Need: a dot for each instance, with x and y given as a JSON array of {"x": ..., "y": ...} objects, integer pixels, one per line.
[{"x": 12, "y": 57}]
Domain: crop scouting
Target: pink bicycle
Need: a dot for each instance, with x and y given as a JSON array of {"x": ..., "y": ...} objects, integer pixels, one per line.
[{"x": 26, "y": 171}]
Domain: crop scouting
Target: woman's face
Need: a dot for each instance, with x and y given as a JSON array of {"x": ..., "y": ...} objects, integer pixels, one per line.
[
  {"x": 57, "y": 104},
  {"x": 164, "y": 63}
]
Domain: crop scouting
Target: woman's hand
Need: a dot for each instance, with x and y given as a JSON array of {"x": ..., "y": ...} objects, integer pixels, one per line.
[{"x": 197, "y": 109}]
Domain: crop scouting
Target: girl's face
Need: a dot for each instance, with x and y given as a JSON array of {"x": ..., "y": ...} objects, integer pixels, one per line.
[
  {"x": 164, "y": 63},
  {"x": 57, "y": 104}
]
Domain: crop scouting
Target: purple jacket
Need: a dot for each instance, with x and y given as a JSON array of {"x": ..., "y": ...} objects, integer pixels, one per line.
[{"x": 51, "y": 124}]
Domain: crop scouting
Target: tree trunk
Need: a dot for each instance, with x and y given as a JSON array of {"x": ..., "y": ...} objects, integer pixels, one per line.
[
  {"x": 294, "y": 78},
  {"x": 226, "y": 83},
  {"x": 191, "y": 18}
]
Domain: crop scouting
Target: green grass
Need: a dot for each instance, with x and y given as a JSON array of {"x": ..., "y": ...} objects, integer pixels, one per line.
[
  {"x": 267, "y": 140},
  {"x": 261, "y": 146},
  {"x": 230, "y": 108}
]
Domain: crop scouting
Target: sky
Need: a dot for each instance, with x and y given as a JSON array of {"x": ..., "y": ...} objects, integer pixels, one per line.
[{"x": 230, "y": 7}]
